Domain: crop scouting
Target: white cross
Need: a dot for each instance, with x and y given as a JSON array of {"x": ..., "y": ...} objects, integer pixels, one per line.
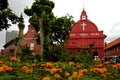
[{"x": 83, "y": 25}]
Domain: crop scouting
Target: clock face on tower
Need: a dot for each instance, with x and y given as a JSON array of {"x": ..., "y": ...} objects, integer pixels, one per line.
[{"x": 83, "y": 17}]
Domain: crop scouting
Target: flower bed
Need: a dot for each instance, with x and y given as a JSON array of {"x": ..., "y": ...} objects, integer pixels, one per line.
[{"x": 14, "y": 68}]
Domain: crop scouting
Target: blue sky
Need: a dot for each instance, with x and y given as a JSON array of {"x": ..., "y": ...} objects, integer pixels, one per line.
[{"x": 104, "y": 13}]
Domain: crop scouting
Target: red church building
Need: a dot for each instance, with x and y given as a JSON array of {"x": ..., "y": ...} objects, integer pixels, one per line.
[
  {"x": 29, "y": 41},
  {"x": 83, "y": 33}
]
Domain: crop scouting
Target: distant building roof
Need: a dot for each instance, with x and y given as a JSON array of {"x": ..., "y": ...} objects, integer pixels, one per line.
[
  {"x": 113, "y": 43},
  {"x": 9, "y": 43}
]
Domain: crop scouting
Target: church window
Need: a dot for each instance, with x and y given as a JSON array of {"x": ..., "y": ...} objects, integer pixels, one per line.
[
  {"x": 32, "y": 46},
  {"x": 83, "y": 17},
  {"x": 32, "y": 30}
]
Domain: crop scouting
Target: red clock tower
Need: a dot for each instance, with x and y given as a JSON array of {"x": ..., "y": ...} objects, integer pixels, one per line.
[{"x": 83, "y": 33}]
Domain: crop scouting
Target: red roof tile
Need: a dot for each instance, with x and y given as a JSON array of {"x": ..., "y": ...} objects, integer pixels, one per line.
[{"x": 113, "y": 43}]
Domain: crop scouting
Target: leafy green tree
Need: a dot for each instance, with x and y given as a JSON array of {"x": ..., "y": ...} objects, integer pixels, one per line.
[
  {"x": 61, "y": 28},
  {"x": 55, "y": 29},
  {"x": 52, "y": 29},
  {"x": 41, "y": 9},
  {"x": 6, "y": 14}
]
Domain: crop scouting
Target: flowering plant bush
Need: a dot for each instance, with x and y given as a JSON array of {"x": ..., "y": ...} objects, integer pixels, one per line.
[{"x": 14, "y": 68}]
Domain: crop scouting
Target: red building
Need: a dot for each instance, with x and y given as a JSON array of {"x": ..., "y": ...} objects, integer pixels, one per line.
[
  {"x": 83, "y": 33},
  {"x": 29, "y": 40},
  {"x": 113, "y": 48}
]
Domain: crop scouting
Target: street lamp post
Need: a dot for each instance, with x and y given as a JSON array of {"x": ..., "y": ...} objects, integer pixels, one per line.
[{"x": 105, "y": 50}]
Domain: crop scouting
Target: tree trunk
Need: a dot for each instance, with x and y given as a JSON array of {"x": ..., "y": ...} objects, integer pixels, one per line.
[
  {"x": 41, "y": 37},
  {"x": 21, "y": 27},
  {"x": 20, "y": 37}
]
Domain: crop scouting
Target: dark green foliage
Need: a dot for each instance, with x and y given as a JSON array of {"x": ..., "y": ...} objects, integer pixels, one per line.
[
  {"x": 3, "y": 21},
  {"x": 61, "y": 28},
  {"x": 36, "y": 8},
  {"x": 5, "y": 15},
  {"x": 12, "y": 17},
  {"x": 3, "y": 4},
  {"x": 34, "y": 21},
  {"x": 27, "y": 55},
  {"x": 40, "y": 6},
  {"x": 27, "y": 11},
  {"x": 92, "y": 44},
  {"x": 55, "y": 53},
  {"x": 58, "y": 53}
]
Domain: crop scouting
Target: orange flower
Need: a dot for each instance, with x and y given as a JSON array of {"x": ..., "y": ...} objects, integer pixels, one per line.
[
  {"x": 74, "y": 73},
  {"x": 1, "y": 62},
  {"x": 9, "y": 69},
  {"x": 60, "y": 69},
  {"x": 102, "y": 70},
  {"x": 1, "y": 69},
  {"x": 114, "y": 66},
  {"x": 71, "y": 63},
  {"x": 105, "y": 63},
  {"x": 53, "y": 70},
  {"x": 33, "y": 65},
  {"x": 46, "y": 78},
  {"x": 5, "y": 67},
  {"x": 24, "y": 68},
  {"x": 42, "y": 65},
  {"x": 48, "y": 64},
  {"x": 27, "y": 71},
  {"x": 78, "y": 66},
  {"x": 80, "y": 75},
  {"x": 47, "y": 69},
  {"x": 83, "y": 71},
  {"x": 67, "y": 74},
  {"x": 80, "y": 71},
  {"x": 99, "y": 66},
  {"x": 13, "y": 59},
  {"x": 94, "y": 70},
  {"x": 57, "y": 76},
  {"x": 118, "y": 65}
]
